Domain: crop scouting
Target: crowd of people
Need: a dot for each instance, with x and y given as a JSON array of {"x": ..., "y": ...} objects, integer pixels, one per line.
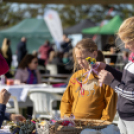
[
  {"x": 98, "y": 87},
  {"x": 27, "y": 70}
]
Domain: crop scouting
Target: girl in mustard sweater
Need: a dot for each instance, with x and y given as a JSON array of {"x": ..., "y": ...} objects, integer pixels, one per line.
[{"x": 84, "y": 97}]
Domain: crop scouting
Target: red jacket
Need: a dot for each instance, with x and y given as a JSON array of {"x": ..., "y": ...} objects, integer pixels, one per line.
[
  {"x": 3, "y": 65},
  {"x": 44, "y": 52}
]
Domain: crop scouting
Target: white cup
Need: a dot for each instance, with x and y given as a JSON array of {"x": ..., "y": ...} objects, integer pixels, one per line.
[{"x": 107, "y": 60}]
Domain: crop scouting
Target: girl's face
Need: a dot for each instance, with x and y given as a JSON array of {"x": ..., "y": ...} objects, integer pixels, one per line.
[
  {"x": 34, "y": 64},
  {"x": 129, "y": 45},
  {"x": 81, "y": 55}
]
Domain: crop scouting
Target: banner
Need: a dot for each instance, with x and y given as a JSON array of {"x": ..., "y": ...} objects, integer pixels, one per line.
[{"x": 53, "y": 22}]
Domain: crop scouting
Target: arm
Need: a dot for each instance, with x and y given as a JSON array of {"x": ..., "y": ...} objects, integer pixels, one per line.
[
  {"x": 3, "y": 65},
  {"x": 125, "y": 90},
  {"x": 18, "y": 75},
  {"x": 7, "y": 116},
  {"x": 111, "y": 99},
  {"x": 66, "y": 102},
  {"x": 4, "y": 97},
  {"x": 117, "y": 74},
  {"x": 2, "y": 113}
]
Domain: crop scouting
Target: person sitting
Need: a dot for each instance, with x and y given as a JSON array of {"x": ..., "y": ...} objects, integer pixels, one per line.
[
  {"x": 4, "y": 97},
  {"x": 27, "y": 71},
  {"x": 66, "y": 44},
  {"x": 84, "y": 97},
  {"x": 53, "y": 59}
]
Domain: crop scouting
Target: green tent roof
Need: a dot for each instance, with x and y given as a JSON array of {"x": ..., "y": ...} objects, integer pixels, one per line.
[
  {"x": 92, "y": 30},
  {"x": 35, "y": 30},
  {"x": 28, "y": 27},
  {"x": 110, "y": 28}
]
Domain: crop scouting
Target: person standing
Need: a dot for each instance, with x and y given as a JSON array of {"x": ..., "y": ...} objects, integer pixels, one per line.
[
  {"x": 7, "y": 54},
  {"x": 123, "y": 83},
  {"x": 6, "y": 51},
  {"x": 44, "y": 52},
  {"x": 21, "y": 49}
]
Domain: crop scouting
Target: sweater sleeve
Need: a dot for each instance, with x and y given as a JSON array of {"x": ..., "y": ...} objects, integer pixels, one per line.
[
  {"x": 3, "y": 65},
  {"x": 110, "y": 99},
  {"x": 7, "y": 116},
  {"x": 117, "y": 74},
  {"x": 2, "y": 113},
  {"x": 125, "y": 90},
  {"x": 66, "y": 102}
]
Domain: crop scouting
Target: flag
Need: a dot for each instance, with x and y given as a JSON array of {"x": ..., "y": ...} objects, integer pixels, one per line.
[{"x": 53, "y": 22}]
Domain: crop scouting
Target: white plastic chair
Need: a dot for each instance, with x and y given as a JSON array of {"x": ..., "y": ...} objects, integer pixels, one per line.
[
  {"x": 43, "y": 102},
  {"x": 14, "y": 109},
  {"x": 41, "y": 67},
  {"x": 52, "y": 68}
]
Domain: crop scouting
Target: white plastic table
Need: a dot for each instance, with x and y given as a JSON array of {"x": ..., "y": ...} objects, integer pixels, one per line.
[{"x": 21, "y": 92}]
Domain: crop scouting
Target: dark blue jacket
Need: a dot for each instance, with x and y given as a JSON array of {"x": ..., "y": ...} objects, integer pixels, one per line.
[
  {"x": 21, "y": 51},
  {"x": 3, "y": 115}
]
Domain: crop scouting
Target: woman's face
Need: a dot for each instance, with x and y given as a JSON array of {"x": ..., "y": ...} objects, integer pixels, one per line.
[
  {"x": 129, "y": 45},
  {"x": 81, "y": 55},
  {"x": 34, "y": 64}
]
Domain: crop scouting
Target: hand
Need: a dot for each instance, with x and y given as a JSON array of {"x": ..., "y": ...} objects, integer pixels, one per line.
[
  {"x": 17, "y": 117},
  {"x": 99, "y": 66},
  {"x": 105, "y": 77},
  {"x": 4, "y": 96}
]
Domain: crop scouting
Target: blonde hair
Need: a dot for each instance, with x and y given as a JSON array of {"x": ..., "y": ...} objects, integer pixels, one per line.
[
  {"x": 4, "y": 48},
  {"x": 85, "y": 44},
  {"x": 126, "y": 30}
]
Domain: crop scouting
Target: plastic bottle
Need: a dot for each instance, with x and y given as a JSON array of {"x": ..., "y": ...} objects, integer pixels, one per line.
[{"x": 3, "y": 79}]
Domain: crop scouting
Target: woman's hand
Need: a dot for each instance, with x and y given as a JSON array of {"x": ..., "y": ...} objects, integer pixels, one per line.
[
  {"x": 4, "y": 96},
  {"x": 105, "y": 77},
  {"x": 17, "y": 117}
]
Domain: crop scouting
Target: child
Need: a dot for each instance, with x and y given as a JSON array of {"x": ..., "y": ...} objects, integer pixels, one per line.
[
  {"x": 87, "y": 99},
  {"x": 123, "y": 83}
]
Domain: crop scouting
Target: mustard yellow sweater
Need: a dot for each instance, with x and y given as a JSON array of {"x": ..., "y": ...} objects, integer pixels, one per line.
[{"x": 96, "y": 103}]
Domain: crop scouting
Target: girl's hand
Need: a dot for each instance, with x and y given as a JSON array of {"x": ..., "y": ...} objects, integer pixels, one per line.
[{"x": 105, "y": 77}]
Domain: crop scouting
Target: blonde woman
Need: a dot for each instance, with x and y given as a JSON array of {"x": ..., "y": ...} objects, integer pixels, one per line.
[
  {"x": 6, "y": 51},
  {"x": 123, "y": 83}
]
